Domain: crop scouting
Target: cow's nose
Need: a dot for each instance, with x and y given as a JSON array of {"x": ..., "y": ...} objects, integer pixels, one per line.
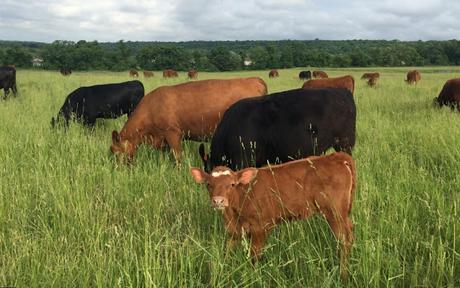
[{"x": 218, "y": 201}]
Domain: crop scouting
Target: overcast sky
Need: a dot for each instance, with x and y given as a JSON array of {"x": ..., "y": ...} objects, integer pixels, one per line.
[{"x": 182, "y": 20}]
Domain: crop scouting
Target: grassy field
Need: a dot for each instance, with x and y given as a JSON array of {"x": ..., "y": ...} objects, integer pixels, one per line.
[{"x": 70, "y": 216}]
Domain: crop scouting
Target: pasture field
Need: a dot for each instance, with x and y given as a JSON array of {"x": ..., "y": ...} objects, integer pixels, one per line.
[{"x": 70, "y": 216}]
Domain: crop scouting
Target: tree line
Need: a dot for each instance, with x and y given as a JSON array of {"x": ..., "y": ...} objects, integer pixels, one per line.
[{"x": 229, "y": 55}]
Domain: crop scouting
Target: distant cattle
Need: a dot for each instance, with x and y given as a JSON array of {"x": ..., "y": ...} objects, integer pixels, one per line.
[
  {"x": 169, "y": 73},
  {"x": 65, "y": 71},
  {"x": 320, "y": 74},
  {"x": 101, "y": 101},
  {"x": 450, "y": 94},
  {"x": 413, "y": 77},
  {"x": 192, "y": 74},
  {"x": 148, "y": 74},
  {"x": 133, "y": 73},
  {"x": 347, "y": 82},
  {"x": 254, "y": 201},
  {"x": 8, "y": 80},
  {"x": 273, "y": 73},
  {"x": 370, "y": 75},
  {"x": 190, "y": 110},
  {"x": 281, "y": 127},
  {"x": 305, "y": 75}
]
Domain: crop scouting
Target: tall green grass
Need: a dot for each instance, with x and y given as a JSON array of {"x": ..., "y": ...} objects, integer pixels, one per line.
[{"x": 70, "y": 216}]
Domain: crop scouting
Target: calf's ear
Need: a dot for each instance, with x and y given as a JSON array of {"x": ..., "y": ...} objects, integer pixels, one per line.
[
  {"x": 247, "y": 175},
  {"x": 199, "y": 175},
  {"x": 115, "y": 136}
]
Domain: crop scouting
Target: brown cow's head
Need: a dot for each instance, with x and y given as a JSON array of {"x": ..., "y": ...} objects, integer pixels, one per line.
[
  {"x": 122, "y": 149},
  {"x": 222, "y": 183}
]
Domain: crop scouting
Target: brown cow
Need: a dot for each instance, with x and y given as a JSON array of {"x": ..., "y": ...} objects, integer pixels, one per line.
[
  {"x": 450, "y": 94},
  {"x": 133, "y": 73},
  {"x": 370, "y": 75},
  {"x": 347, "y": 82},
  {"x": 372, "y": 82},
  {"x": 320, "y": 74},
  {"x": 413, "y": 77},
  {"x": 273, "y": 73},
  {"x": 148, "y": 74},
  {"x": 190, "y": 110},
  {"x": 254, "y": 200},
  {"x": 192, "y": 74},
  {"x": 169, "y": 73}
]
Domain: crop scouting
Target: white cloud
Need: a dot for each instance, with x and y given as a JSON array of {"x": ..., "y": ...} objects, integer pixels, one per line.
[{"x": 180, "y": 20}]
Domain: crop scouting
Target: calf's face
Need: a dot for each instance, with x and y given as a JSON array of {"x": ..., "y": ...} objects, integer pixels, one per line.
[
  {"x": 223, "y": 183},
  {"x": 122, "y": 149}
]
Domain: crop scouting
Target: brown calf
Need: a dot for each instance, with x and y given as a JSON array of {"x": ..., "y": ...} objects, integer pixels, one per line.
[
  {"x": 413, "y": 77},
  {"x": 255, "y": 200},
  {"x": 133, "y": 73},
  {"x": 372, "y": 82},
  {"x": 192, "y": 74},
  {"x": 370, "y": 75},
  {"x": 450, "y": 94},
  {"x": 320, "y": 74},
  {"x": 273, "y": 73},
  {"x": 347, "y": 82},
  {"x": 169, "y": 73},
  {"x": 189, "y": 110},
  {"x": 148, "y": 74}
]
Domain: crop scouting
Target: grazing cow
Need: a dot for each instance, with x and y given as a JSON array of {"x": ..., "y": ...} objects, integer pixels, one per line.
[
  {"x": 190, "y": 110},
  {"x": 192, "y": 74},
  {"x": 370, "y": 75},
  {"x": 65, "y": 71},
  {"x": 148, "y": 74},
  {"x": 282, "y": 127},
  {"x": 305, "y": 75},
  {"x": 273, "y": 73},
  {"x": 169, "y": 73},
  {"x": 450, "y": 94},
  {"x": 372, "y": 82},
  {"x": 254, "y": 200},
  {"x": 133, "y": 73},
  {"x": 8, "y": 80},
  {"x": 320, "y": 74},
  {"x": 413, "y": 77},
  {"x": 347, "y": 82},
  {"x": 101, "y": 101}
]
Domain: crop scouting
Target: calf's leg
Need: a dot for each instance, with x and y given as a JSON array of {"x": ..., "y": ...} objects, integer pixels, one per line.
[
  {"x": 342, "y": 227},
  {"x": 173, "y": 138}
]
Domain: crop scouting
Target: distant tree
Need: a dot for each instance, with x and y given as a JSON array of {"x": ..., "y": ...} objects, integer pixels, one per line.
[
  {"x": 17, "y": 56},
  {"x": 224, "y": 60},
  {"x": 259, "y": 57},
  {"x": 159, "y": 58}
]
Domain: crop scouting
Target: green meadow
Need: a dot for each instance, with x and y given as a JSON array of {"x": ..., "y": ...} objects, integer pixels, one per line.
[{"x": 71, "y": 216}]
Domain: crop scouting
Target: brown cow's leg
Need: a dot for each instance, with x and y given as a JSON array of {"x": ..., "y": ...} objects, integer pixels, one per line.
[
  {"x": 257, "y": 244},
  {"x": 342, "y": 228},
  {"x": 174, "y": 141}
]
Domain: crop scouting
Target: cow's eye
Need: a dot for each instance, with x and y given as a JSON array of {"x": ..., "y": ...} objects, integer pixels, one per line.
[{"x": 233, "y": 184}]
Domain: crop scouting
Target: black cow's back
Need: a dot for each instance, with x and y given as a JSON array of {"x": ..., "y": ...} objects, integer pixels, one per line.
[{"x": 284, "y": 126}]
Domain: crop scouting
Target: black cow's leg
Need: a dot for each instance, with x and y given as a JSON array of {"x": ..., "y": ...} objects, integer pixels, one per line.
[{"x": 15, "y": 90}]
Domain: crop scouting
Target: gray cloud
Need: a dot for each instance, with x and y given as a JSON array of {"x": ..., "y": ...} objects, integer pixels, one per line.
[{"x": 180, "y": 20}]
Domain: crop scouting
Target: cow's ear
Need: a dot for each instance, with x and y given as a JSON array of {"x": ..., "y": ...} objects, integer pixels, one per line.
[
  {"x": 115, "y": 136},
  {"x": 247, "y": 175},
  {"x": 199, "y": 175}
]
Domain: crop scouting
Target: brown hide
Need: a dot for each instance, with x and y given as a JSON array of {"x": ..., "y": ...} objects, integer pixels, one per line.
[
  {"x": 190, "y": 110},
  {"x": 413, "y": 77},
  {"x": 148, "y": 74},
  {"x": 450, "y": 94},
  {"x": 273, "y": 73},
  {"x": 133, "y": 73},
  {"x": 320, "y": 74},
  {"x": 347, "y": 82},
  {"x": 169, "y": 73},
  {"x": 192, "y": 74},
  {"x": 370, "y": 75},
  {"x": 254, "y": 200}
]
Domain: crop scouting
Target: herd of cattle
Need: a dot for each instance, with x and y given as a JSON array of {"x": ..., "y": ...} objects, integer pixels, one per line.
[{"x": 266, "y": 162}]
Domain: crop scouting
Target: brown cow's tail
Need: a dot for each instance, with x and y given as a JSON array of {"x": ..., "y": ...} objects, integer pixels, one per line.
[
  {"x": 350, "y": 164},
  {"x": 261, "y": 81}
]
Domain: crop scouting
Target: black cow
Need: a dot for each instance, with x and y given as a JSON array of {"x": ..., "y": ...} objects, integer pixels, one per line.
[
  {"x": 305, "y": 75},
  {"x": 8, "y": 80},
  {"x": 65, "y": 71},
  {"x": 101, "y": 101},
  {"x": 282, "y": 127}
]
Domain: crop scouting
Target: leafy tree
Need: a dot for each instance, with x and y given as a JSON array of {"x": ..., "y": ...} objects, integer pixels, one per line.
[
  {"x": 224, "y": 60},
  {"x": 17, "y": 56},
  {"x": 259, "y": 57}
]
